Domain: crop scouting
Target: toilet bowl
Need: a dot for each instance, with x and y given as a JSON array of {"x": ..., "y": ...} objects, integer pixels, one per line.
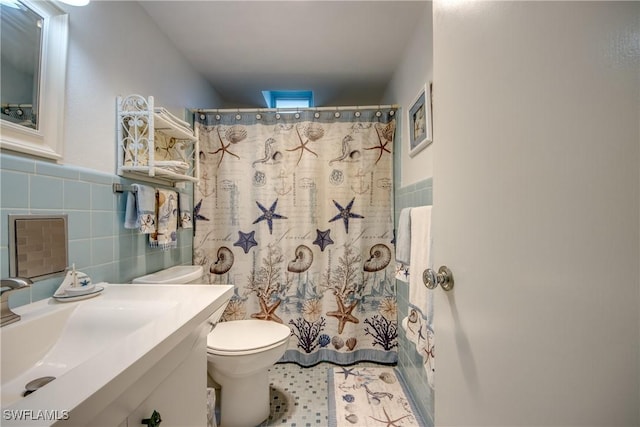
[{"x": 239, "y": 354}]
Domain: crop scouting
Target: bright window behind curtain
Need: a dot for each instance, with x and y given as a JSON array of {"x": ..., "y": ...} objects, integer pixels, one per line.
[
  {"x": 288, "y": 98},
  {"x": 292, "y": 103}
]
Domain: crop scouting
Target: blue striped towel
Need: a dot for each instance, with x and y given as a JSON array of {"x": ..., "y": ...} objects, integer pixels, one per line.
[{"x": 140, "y": 209}]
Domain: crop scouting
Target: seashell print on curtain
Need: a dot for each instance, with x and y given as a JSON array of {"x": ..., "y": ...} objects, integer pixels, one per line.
[{"x": 296, "y": 211}]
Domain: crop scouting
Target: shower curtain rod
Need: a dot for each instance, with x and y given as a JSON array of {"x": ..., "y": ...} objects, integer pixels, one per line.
[{"x": 289, "y": 110}]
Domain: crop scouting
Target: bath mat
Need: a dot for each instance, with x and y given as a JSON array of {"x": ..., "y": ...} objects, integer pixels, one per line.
[{"x": 369, "y": 396}]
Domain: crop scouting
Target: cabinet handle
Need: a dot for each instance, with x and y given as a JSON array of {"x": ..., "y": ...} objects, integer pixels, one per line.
[{"x": 154, "y": 421}]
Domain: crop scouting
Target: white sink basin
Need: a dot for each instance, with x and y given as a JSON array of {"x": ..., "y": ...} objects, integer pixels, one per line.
[
  {"x": 57, "y": 337},
  {"x": 88, "y": 344}
]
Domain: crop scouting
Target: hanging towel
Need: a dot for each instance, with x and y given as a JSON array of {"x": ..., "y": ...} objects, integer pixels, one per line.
[
  {"x": 165, "y": 236},
  {"x": 403, "y": 237},
  {"x": 420, "y": 333},
  {"x": 131, "y": 211},
  {"x": 185, "y": 211},
  {"x": 419, "y": 295},
  {"x": 140, "y": 209},
  {"x": 418, "y": 324},
  {"x": 403, "y": 245}
]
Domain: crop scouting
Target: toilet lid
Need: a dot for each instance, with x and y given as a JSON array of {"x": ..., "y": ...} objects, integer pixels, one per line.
[{"x": 244, "y": 335}]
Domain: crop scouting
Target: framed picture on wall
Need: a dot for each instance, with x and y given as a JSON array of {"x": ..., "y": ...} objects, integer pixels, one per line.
[{"x": 419, "y": 119}]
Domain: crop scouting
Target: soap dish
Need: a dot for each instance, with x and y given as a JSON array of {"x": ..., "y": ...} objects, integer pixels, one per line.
[
  {"x": 79, "y": 290},
  {"x": 64, "y": 297}
]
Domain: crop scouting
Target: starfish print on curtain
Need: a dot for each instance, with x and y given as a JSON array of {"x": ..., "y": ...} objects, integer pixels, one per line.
[
  {"x": 303, "y": 144},
  {"x": 246, "y": 241},
  {"x": 269, "y": 215},
  {"x": 345, "y": 214},
  {"x": 384, "y": 138},
  {"x": 196, "y": 212},
  {"x": 267, "y": 312},
  {"x": 234, "y": 136},
  {"x": 343, "y": 314},
  {"x": 323, "y": 239}
]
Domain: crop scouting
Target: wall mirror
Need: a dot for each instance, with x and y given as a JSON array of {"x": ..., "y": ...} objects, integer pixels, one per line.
[{"x": 33, "y": 49}]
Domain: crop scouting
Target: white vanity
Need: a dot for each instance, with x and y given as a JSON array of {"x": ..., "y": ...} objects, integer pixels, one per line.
[{"x": 116, "y": 357}]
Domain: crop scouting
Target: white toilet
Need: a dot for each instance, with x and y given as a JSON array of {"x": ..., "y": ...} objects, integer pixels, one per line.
[{"x": 239, "y": 354}]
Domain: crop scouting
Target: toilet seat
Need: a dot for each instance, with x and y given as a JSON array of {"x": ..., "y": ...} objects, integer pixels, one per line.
[{"x": 249, "y": 336}]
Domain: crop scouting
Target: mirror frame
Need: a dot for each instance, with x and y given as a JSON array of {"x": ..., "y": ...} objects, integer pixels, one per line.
[{"x": 47, "y": 140}]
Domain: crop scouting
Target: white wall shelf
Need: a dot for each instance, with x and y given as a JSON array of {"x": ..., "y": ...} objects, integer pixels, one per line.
[{"x": 154, "y": 145}]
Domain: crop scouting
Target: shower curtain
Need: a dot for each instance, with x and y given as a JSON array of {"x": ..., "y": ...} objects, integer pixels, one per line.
[{"x": 295, "y": 209}]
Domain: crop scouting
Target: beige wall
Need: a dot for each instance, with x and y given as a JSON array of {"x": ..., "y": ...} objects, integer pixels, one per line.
[
  {"x": 415, "y": 70},
  {"x": 116, "y": 49}
]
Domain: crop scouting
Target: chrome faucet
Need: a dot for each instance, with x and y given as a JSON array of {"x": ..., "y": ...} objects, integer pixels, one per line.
[{"x": 7, "y": 286}]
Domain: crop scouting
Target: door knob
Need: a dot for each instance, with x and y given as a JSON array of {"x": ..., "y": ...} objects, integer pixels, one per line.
[{"x": 443, "y": 277}]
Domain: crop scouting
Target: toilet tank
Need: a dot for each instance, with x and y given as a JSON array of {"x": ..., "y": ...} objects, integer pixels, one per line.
[{"x": 177, "y": 274}]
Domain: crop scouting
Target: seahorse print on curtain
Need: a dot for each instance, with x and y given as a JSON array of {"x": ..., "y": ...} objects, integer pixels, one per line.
[{"x": 295, "y": 210}]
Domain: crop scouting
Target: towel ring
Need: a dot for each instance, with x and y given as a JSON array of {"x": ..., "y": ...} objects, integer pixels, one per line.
[{"x": 443, "y": 277}]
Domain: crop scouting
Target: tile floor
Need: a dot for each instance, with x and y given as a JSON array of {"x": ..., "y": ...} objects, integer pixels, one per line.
[{"x": 299, "y": 395}]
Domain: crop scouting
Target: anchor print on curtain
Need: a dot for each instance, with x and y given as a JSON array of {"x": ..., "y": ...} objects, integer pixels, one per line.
[{"x": 295, "y": 210}]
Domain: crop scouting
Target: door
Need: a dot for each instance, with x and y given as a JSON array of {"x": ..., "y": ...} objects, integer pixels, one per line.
[{"x": 536, "y": 188}]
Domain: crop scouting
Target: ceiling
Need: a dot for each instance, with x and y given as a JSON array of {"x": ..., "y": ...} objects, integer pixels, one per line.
[{"x": 345, "y": 51}]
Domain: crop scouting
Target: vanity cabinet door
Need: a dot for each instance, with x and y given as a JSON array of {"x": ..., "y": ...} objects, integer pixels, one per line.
[
  {"x": 175, "y": 387},
  {"x": 181, "y": 399}
]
